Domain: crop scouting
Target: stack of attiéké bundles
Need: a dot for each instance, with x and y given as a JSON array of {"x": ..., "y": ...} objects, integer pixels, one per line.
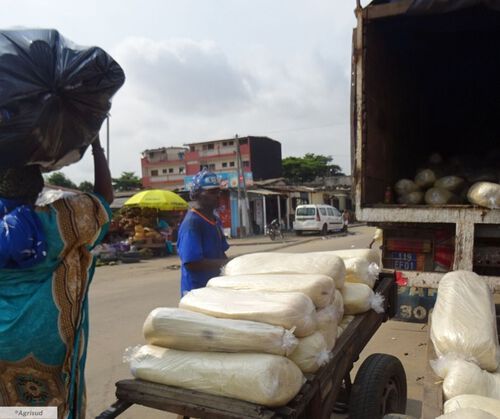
[
  {"x": 465, "y": 337},
  {"x": 253, "y": 332}
]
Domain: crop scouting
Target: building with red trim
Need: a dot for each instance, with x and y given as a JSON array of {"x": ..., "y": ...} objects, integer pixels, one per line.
[{"x": 163, "y": 168}]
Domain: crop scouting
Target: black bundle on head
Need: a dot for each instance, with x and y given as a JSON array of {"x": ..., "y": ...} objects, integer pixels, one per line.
[{"x": 21, "y": 183}]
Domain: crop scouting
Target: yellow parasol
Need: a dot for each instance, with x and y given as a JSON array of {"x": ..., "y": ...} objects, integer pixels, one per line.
[{"x": 159, "y": 199}]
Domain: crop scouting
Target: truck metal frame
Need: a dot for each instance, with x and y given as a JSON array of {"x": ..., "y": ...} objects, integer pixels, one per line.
[{"x": 466, "y": 218}]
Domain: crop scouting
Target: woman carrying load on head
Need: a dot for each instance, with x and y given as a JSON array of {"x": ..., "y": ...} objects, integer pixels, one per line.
[{"x": 45, "y": 271}]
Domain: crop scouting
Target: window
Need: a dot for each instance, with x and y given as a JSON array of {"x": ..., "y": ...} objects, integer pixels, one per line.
[
  {"x": 204, "y": 147},
  {"x": 192, "y": 148},
  {"x": 211, "y": 167},
  {"x": 171, "y": 170},
  {"x": 224, "y": 144},
  {"x": 181, "y": 169},
  {"x": 154, "y": 172},
  {"x": 306, "y": 211},
  {"x": 224, "y": 164},
  {"x": 230, "y": 143},
  {"x": 322, "y": 211},
  {"x": 231, "y": 164},
  {"x": 210, "y": 146},
  {"x": 246, "y": 163},
  {"x": 330, "y": 212},
  {"x": 336, "y": 212},
  {"x": 164, "y": 171}
]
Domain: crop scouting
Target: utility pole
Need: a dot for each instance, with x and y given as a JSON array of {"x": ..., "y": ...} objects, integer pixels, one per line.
[
  {"x": 245, "y": 195},
  {"x": 240, "y": 218}
]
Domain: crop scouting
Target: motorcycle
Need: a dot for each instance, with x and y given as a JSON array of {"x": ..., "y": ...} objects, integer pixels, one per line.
[{"x": 274, "y": 230}]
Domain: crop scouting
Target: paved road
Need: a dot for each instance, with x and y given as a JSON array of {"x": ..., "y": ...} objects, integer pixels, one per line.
[{"x": 122, "y": 296}]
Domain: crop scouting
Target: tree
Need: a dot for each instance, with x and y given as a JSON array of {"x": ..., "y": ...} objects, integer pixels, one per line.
[
  {"x": 309, "y": 167},
  {"x": 128, "y": 181},
  {"x": 86, "y": 186},
  {"x": 60, "y": 179}
]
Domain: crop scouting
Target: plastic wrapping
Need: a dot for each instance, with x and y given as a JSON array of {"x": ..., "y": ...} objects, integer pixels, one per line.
[
  {"x": 269, "y": 380},
  {"x": 328, "y": 319},
  {"x": 487, "y": 404},
  {"x": 285, "y": 309},
  {"x": 55, "y": 97},
  {"x": 319, "y": 288},
  {"x": 485, "y": 194},
  {"x": 189, "y": 331},
  {"x": 359, "y": 298},
  {"x": 425, "y": 178},
  {"x": 463, "y": 377},
  {"x": 338, "y": 303},
  {"x": 361, "y": 271},
  {"x": 440, "y": 196},
  {"x": 450, "y": 183},
  {"x": 311, "y": 353},
  {"x": 467, "y": 413},
  {"x": 463, "y": 320},
  {"x": 371, "y": 255},
  {"x": 321, "y": 263},
  {"x": 412, "y": 198},
  {"x": 405, "y": 186},
  {"x": 346, "y": 321}
]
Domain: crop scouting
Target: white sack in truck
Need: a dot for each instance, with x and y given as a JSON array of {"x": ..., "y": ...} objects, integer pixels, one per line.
[
  {"x": 440, "y": 196},
  {"x": 450, "y": 183},
  {"x": 319, "y": 288},
  {"x": 269, "y": 380},
  {"x": 286, "y": 309},
  {"x": 338, "y": 303},
  {"x": 463, "y": 377},
  {"x": 485, "y": 194},
  {"x": 359, "y": 298},
  {"x": 425, "y": 178},
  {"x": 328, "y": 319},
  {"x": 361, "y": 271},
  {"x": 487, "y": 404},
  {"x": 190, "y": 331},
  {"x": 405, "y": 186},
  {"x": 463, "y": 320},
  {"x": 311, "y": 353},
  {"x": 412, "y": 198},
  {"x": 371, "y": 255},
  {"x": 283, "y": 263},
  {"x": 467, "y": 413}
]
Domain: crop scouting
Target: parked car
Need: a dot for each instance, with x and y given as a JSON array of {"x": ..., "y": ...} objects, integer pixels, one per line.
[{"x": 321, "y": 218}]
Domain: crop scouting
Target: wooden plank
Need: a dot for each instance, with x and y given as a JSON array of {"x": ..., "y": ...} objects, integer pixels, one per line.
[
  {"x": 186, "y": 402},
  {"x": 386, "y": 10}
]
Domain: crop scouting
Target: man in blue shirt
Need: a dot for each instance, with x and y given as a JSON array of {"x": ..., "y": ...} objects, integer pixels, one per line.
[{"x": 201, "y": 244}]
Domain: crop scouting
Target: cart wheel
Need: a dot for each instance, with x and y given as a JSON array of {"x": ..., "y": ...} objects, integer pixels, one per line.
[{"x": 379, "y": 388}]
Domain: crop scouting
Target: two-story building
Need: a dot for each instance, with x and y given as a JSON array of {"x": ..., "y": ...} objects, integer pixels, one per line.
[{"x": 163, "y": 168}]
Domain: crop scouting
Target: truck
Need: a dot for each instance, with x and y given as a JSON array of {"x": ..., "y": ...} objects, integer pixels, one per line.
[{"x": 425, "y": 89}]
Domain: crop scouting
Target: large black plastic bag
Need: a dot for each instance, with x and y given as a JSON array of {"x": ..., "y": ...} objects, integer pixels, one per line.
[{"x": 54, "y": 97}]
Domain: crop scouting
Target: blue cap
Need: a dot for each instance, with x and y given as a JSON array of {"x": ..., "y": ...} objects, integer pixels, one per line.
[{"x": 204, "y": 180}]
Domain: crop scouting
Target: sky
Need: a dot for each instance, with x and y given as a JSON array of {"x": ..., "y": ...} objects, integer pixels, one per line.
[{"x": 199, "y": 70}]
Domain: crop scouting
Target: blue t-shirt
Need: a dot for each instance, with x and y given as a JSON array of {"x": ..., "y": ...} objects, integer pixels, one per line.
[{"x": 199, "y": 238}]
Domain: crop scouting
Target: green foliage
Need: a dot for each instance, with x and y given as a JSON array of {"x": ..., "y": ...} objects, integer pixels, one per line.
[
  {"x": 128, "y": 181},
  {"x": 60, "y": 179},
  {"x": 307, "y": 168},
  {"x": 86, "y": 186}
]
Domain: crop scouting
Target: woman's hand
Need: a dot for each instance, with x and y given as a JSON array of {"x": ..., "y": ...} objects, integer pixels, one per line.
[{"x": 102, "y": 177}]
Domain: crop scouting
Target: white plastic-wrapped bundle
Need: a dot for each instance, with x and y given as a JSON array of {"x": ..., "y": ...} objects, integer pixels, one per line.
[
  {"x": 467, "y": 413},
  {"x": 359, "y": 298},
  {"x": 285, "y": 309},
  {"x": 328, "y": 319},
  {"x": 346, "y": 321},
  {"x": 487, "y": 404},
  {"x": 190, "y": 331},
  {"x": 450, "y": 183},
  {"x": 311, "y": 353},
  {"x": 463, "y": 320},
  {"x": 270, "y": 380},
  {"x": 319, "y": 288},
  {"x": 405, "y": 186},
  {"x": 425, "y": 178},
  {"x": 463, "y": 377},
  {"x": 338, "y": 303},
  {"x": 361, "y": 271},
  {"x": 485, "y": 194},
  {"x": 439, "y": 196},
  {"x": 371, "y": 255},
  {"x": 412, "y": 198},
  {"x": 283, "y": 263}
]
